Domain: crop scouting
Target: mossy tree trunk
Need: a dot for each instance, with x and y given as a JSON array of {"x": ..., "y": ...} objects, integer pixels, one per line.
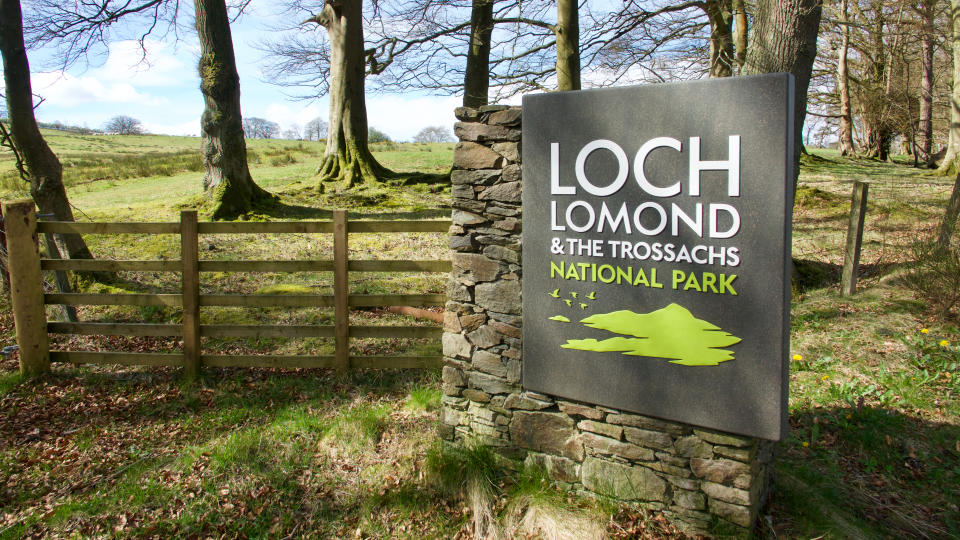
[
  {"x": 843, "y": 86},
  {"x": 785, "y": 40},
  {"x": 476, "y": 80},
  {"x": 347, "y": 157},
  {"x": 227, "y": 180},
  {"x": 949, "y": 224},
  {"x": 925, "y": 146},
  {"x": 567, "y": 31},
  {"x": 42, "y": 165}
]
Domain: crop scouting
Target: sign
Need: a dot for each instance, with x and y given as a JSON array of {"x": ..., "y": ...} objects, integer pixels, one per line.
[{"x": 656, "y": 249}]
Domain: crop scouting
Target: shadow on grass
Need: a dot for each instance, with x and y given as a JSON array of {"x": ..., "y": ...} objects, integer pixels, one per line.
[{"x": 868, "y": 472}]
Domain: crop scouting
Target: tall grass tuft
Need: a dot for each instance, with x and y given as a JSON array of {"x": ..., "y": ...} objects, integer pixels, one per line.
[{"x": 935, "y": 277}]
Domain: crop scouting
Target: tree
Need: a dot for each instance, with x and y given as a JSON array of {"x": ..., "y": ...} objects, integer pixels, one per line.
[
  {"x": 292, "y": 133},
  {"x": 124, "y": 125},
  {"x": 951, "y": 160},
  {"x": 433, "y": 134},
  {"x": 347, "y": 157},
  {"x": 315, "y": 129},
  {"x": 476, "y": 77},
  {"x": 567, "y": 31},
  {"x": 227, "y": 180},
  {"x": 843, "y": 87},
  {"x": 260, "y": 128},
  {"x": 36, "y": 161},
  {"x": 785, "y": 40},
  {"x": 374, "y": 135}
]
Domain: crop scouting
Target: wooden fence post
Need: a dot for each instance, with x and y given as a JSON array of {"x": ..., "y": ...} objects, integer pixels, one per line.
[
  {"x": 190, "y": 279},
  {"x": 341, "y": 293},
  {"x": 851, "y": 259},
  {"x": 26, "y": 286}
]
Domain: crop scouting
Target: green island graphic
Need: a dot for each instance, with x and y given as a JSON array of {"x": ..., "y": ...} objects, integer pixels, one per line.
[{"x": 671, "y": 332}]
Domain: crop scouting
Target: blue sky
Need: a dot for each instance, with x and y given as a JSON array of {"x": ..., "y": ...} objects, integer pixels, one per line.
[{"x": 165, "y": 95}]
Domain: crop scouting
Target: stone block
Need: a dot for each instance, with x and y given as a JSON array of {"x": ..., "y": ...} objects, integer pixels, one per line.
[
  {"x": 739, "y": 515},
  {"x": 462, "y": 243},
  {"x": 586, "y": 411},
  {"x": 509, "y": 150},
  {"x": 506, "y": 329},
  {"x": 455, "y": 345},
  {"x": 508, "y": 225},
  {"x": 739, "y": 454},
  {"x": 644, "y": 422},
  {"x": 488, "y": 362},
  {"x": 470, "y": 155},
  {"x": 453, "y": 376},
  {"x": 725, "y": 439},
  {"x": 514, "y": 371},
  {"x": 722, "y": 471},
  {"x": 499, "y": 296},
  {"x": 526, "y": 403},
  {"x": 467, "y": 114},
  {"x": 485, "y": 337},
  {"x": 506, "y": 192},
  {"x": 651, "y": 439},
  {"x": 608, "y": 430},
  {"x": 691, "y": 446},
  {"x": 471, "y": 131},
  {"x": 489, "y": 383},
  {"x": 507, "y": 117},
  {"x": 461, "y": 217},
  {"x": 611, "y": 447},
  {"x": 726, "y": 493},
  {"x": 623, "y": 481},
  {"x": 462, "y": 191},
  {"x": 471, "y": 322},
  {"x": 502, "y": 253},
  {"x": 689, "y": 499},
  {"x": 512, "y": 173},
  {"x": 475, "y": 395},
  {"x": 482, "y": 177},
  {"x": 551, "y": 433}
]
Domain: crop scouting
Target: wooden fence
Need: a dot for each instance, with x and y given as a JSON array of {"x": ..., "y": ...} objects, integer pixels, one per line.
[{"x": 29, "y": 300}]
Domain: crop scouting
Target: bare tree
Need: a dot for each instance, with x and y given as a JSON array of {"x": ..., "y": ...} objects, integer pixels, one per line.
[
  {"x": 292, "y": 133},
  {"x": 433, "y": 134},
  {"x": 260, "y": 128},
  {"x": 315, "y": 129},
  {"x": 124, "y": 125},
  {"x": 35, "y": 160},
  {"x": 951, "y": 159}
]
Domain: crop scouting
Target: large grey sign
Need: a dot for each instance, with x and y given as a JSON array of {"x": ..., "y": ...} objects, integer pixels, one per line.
[{"x": 656, "y": 249}]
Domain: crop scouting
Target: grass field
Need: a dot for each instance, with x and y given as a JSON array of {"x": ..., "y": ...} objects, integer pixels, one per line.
[{"x": 873, "y": 452}]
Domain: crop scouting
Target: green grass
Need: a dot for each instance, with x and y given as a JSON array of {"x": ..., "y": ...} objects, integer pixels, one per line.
[{"x": 873, "y": 449}]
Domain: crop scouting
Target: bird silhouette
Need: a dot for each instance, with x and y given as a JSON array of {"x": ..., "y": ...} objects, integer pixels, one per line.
[
  {"x": 583, "y": 306},
  {"x": 555, "y": 293},
  {"x": 573, "y": 294},
  {"x": 592, "y": 295},
  {"x": 569, "y": 302}
]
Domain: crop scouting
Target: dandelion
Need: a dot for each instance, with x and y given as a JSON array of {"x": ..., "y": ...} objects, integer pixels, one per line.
[
  {"x": 806, "y": 444},
  {"x": 797, "y": 358},
  {"x": 825, "y": 377},
  {"x": 944, "y": 343},
  {"x": 925, "y": 331},
  {"x": 849, "y": 416}
]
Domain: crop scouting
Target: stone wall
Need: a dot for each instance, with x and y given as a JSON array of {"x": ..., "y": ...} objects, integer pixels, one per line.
[{"x": 692, "y": 474}]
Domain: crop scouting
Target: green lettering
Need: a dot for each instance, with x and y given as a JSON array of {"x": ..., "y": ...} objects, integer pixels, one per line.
[
  {"x": 653, "y": 279},
  {"x": 709, "y": 278},
  {"x": 692, "y": 283},
  {"x": 621, "y": 275},
  {"x": 726, "y": 282},
  {"x": 583, "y": 271},
  {"x": 571, "y": 273},
  {"x": 611, "y": 276},
  {"x": 556, "y": 270},
  {"x": 678, "y": 277}
]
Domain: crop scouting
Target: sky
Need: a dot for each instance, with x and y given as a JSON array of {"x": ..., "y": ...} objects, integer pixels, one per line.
[{"x": 165, "y": 96}]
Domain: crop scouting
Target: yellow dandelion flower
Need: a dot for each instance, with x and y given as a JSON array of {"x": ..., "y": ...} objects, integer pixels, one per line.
[
  {"x": 797, "y": 358},
  {"x": 805, "y": 444},
  {"x": 849, "y": 416},
  {"x": 925, "y": 331},
  {"x": 944, "y": 343},
  {"x": 825, "y": 377}
]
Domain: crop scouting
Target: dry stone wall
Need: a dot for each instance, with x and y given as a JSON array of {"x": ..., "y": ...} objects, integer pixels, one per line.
[{"x": 694, "y": 475}]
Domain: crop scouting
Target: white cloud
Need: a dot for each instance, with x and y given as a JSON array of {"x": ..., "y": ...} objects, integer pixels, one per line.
[
  {"x": 65, "y": 90},
  {"x": 190, "y": 128},
  {"x": 161, "y": 67}
]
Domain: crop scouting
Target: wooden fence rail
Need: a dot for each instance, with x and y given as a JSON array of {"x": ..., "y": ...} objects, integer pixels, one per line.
[{"x": 28, "y": 299}]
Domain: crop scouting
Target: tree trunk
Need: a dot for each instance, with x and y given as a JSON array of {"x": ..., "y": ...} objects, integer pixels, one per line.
[
  {"x": 347, "y": 157},
  {"x": 951, "y": 160},
  {"x": 46, "y": 173},
  {"x": 949, "y": 224},
  {"x": 476, "y": 81},
  {"x": 785, "y": 40},
  {"x": 720, "y": 14},
  {"x": 843, "y": 87},
  {"x": 227, "y": 181},
  {"x": 925, "y": 145},
  {"x": 740, "y": 35},
  {"x": 568, "y": 45}
]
